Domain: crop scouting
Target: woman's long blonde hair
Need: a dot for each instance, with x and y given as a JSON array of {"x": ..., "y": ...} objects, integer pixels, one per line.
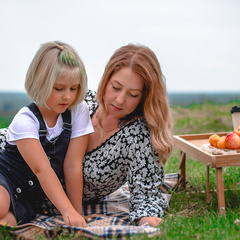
[{"x": 154, "y": 105}]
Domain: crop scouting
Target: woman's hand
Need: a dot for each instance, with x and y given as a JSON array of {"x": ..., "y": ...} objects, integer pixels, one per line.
[
  {"x": 152, "y": 221},
  {"x": 74, "y": 219}
]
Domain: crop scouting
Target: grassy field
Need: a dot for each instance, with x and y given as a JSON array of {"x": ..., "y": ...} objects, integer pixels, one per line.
[
  {"x": 5, "y": 121},
  {"x": 189, "y": 216}
]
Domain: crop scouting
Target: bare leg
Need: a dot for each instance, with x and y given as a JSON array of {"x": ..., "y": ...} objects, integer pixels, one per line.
[
  {"x": 6, "y": 216},
  {"x": 9, "y": 219}
]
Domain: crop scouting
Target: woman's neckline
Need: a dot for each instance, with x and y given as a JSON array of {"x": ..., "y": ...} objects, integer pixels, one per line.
[{"x": 116, "y": 133}]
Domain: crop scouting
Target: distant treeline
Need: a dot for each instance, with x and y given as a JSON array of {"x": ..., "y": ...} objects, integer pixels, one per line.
[
  {"x": 11, "y": 102},
  {"x": 187, "y": 98}
]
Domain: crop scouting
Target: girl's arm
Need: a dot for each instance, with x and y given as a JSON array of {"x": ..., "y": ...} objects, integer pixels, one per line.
[
  {"x": 34, "y": 155},
  {"x": 73, "y": 170}
]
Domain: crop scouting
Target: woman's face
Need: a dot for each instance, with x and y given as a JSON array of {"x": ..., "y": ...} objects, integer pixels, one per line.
[{"x": 123, "y": 92}]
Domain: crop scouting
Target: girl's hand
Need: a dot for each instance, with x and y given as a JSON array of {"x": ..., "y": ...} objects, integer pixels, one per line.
[
  {"x": 74, "y": 219},
  {"x": 34, "y": 155},
  {"x": 152, "y": 221}
]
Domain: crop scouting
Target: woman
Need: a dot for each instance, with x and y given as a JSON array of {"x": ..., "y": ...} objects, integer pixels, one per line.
[{"x": 132, "y": 139}]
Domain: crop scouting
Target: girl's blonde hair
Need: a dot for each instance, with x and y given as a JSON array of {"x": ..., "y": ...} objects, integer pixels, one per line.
[
  {"x": 154, "y": 105},
  {"x": 51, "y": 60}
]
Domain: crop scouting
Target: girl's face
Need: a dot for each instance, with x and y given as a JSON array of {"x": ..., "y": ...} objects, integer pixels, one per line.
[
  {"x": 123, "y": 92},
  {"x": 64, "y": 93}
]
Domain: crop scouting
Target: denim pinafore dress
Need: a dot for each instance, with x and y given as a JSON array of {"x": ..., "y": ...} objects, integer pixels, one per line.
[{"x": 27, "y": 197}]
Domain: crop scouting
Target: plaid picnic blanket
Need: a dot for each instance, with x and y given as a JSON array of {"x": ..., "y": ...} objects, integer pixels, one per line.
[{"x": 106, "y": 219}]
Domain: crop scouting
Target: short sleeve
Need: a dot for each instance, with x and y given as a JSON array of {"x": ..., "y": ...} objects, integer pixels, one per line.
[
  {"x": 81, "y": 121},
  {"x": 23, "y": 125}
]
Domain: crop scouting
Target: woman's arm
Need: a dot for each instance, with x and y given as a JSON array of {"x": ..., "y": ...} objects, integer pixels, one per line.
[
  {"x": 34, "y": 155},
  {"x": 145, "y": 175},
  {"x": 73, "y": 170}
]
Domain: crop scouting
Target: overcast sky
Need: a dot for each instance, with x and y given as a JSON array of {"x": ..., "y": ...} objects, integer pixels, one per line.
[{"x": 197, "y": 42}]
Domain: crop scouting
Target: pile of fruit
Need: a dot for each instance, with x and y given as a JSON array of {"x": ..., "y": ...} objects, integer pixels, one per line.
[{"x": 231, "y": 141}]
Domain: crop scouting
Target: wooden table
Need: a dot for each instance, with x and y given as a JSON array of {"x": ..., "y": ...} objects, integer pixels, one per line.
[{"x": 191, "y": 145}]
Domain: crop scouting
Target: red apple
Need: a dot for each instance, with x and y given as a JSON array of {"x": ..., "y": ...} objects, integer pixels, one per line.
[
  {"x": 237, "y": 131},
  {"x": 232, "y": 141}
]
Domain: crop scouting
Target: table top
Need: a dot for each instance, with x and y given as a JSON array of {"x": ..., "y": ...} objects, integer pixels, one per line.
[{"x": 193, "y": 145}]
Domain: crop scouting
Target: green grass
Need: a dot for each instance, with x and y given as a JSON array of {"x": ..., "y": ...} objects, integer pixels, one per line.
[
  {"x": 203, "y": 118},
  {"x": 189, "y": 216},
  {"x": 5, "y": 121}
]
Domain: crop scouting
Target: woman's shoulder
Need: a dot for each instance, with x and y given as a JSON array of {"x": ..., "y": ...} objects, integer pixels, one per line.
[
  {"x": 139, "y": 123},
  {"x": 137, "y": 129},
  {"x": 90, "y": 97},
  {"x": 137, "y": 138},
  {"x": 91, "y": 101}
]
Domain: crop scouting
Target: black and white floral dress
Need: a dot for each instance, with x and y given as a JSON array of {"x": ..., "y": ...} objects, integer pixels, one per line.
[{"x": 127, "y": 156}]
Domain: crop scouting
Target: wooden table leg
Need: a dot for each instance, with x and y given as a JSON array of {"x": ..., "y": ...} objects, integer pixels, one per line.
[
  {"x": 220, "y": 191},
  {"x": 182, "y": 168},
  {"x": 207, "y": 186}
]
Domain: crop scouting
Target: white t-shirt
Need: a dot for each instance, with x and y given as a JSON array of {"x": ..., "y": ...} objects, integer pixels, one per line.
[{"x": 26, "y": 125}]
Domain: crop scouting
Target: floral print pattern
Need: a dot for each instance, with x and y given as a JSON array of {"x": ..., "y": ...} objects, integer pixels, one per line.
[
  {"x": 3, "y": 135},
  {"x": 126, "y": 156}
]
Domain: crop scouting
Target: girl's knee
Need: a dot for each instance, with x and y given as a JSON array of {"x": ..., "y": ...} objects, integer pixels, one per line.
[
  {"x": 8, "y": 219},
  {"x": 4, "y": 202},
  {"x": 6, "y": 216}
]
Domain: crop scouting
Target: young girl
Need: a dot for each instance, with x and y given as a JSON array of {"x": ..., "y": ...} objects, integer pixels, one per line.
[{"x": 47, "y": 140}]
